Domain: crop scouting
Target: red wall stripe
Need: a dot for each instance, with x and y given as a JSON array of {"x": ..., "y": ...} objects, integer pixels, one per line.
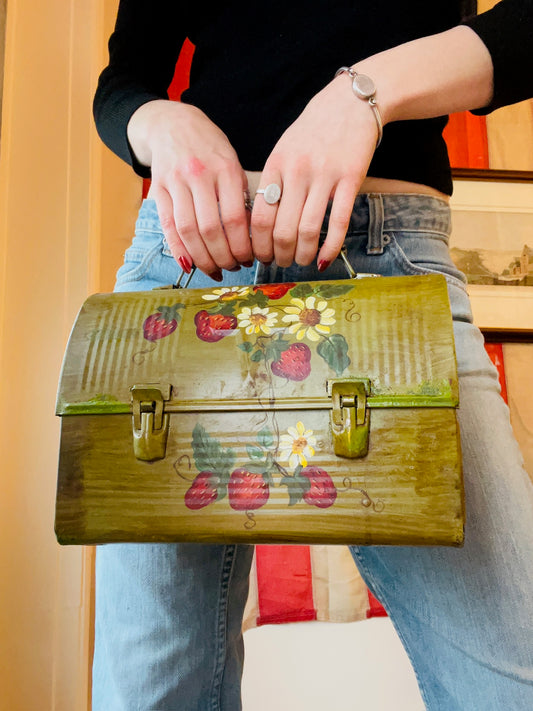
[
  {"x": 466, "y": 138},
  {"x": 495, "y": 351}
]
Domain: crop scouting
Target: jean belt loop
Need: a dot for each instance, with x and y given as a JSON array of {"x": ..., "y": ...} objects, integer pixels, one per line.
[{"x": 375, "y": 224}]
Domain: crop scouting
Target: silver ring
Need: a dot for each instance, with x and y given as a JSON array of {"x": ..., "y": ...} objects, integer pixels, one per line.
[{"x": 271, "y": 194}]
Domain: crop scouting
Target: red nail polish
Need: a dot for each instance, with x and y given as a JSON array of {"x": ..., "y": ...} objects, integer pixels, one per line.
[
  {"x": 185, "y": 264},
  {"x": 248, "y": 264},
  {"x": 323, "y": 264},
  {"x": 216, "y": 276},
  {"x": 234, "y": 269}
]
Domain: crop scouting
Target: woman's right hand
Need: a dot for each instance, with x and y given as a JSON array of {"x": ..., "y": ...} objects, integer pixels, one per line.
[{"x": 198, "y": 185}]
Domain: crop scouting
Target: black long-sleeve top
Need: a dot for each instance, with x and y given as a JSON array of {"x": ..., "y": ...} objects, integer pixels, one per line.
[{"x": 256, "y": 65}]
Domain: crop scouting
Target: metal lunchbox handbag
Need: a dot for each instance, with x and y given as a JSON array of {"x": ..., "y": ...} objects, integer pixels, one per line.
[{"x": 320, "y": 412}]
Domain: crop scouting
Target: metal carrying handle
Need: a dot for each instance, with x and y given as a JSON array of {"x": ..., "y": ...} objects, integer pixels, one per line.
[
  {"x": 351, "y": 271},
  {"x": 178, "y": 285}
]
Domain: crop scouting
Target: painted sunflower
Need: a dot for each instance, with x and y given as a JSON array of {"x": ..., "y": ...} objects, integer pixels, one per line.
[
  {"x": 310, "y": 318},
  {"x": 297, "y": 446},
  {"x": 257, "y": 320},
  {"x": 227, "y": 293}
]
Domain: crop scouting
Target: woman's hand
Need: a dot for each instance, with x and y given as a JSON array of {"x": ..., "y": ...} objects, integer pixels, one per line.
[
  {"x": 198, "y": 185},
  {"x": 324, "y": 155}
]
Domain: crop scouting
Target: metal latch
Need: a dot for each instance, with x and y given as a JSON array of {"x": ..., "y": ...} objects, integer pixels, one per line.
[
  {"x": 350, "y": 416},
  {"x": 150, "y": 422}
]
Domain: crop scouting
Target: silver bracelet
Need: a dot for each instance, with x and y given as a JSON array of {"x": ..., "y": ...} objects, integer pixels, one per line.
[{"x": 364, "y": 88}]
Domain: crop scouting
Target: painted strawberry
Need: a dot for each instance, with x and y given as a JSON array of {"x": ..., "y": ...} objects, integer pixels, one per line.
[
  {"x": 202, "y": 491},
  {"x": 247, "y": 490},
  {"x": 161, "y": 323},
  {"x": 274, "y": 291},
  {"x": 294, "y": 363},
  {"x": 213, "y": 327},
  {"x": 322, "y": 492}
]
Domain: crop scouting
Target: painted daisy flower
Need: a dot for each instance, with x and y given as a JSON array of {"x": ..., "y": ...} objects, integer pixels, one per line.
[
  {"x": 227, "y": 293},
  {"x": 310, "y": 318},
  {"x": 257, "y": 320},
  {"x": 297, "y": 446}
]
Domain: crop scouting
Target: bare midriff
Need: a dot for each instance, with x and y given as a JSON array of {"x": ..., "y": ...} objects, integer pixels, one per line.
[{"x": 369, "y": 185}]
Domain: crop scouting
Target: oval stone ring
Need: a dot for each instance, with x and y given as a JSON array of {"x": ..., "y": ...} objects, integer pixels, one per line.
[{"x": 271, "y": 194}]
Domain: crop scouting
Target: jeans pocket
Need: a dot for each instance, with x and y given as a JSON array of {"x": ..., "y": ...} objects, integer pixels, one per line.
[
  {"x": 137, "y": 263},
  {"x": 425, "y": 253}
]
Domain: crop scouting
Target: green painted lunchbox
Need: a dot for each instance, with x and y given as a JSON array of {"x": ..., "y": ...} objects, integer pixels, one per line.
[{"x": 320, "y": 412}]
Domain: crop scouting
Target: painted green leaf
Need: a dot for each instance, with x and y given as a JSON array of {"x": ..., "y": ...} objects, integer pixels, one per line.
[
  {"x": 209, "y": 455},
  {"x": 257, "y": 356},
  {"x": 301, "y": 291},
  {"x": 171, "y": 312},
  {"x": 257, "y": 298},
  {"x": 254, "y": 452},
  {"x": 275, "y": 348},
  {"x": 226, "y": 308},
  {"x": 332, "y": 291},
  {"x": 334, "y": 350},
  {"x": 265, "y": 438},
  {"x": 297, "y": 486},
  {"x": 246, "y": 346}
]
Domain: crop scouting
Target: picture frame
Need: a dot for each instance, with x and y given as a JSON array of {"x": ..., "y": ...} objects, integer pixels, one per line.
[{"x": 492, "y": 244}]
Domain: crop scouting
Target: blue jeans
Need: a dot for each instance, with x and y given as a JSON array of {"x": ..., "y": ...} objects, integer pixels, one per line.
[{"x": 168, "y": 617}]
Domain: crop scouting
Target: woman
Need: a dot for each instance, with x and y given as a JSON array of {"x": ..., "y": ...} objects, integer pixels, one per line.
[{"x": 350, "y": 159}]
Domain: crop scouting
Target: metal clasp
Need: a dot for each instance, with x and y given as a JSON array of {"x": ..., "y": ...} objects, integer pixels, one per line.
[
  {"x": 350, "y": 416},
  {"x": 150, "y": 422}
]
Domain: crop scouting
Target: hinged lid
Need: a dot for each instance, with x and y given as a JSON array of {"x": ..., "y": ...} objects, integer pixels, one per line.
[{"x": 278, "y": 345}]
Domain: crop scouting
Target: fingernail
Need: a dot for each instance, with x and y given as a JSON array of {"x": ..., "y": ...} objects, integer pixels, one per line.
[
  {"x": 266, "y": 264},
  {"x": 185, "y": 264},
  {"x": 249, "y": 263},
  {"x": 323, "y": 264},
  {"x": 234, "y": 269},
  {"x": 216, "y": 276}
]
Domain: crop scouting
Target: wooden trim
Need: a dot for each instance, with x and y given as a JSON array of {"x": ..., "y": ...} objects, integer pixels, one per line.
[
  {"x": 507, "y": 335},
  {"x": 508, "y": 176}
]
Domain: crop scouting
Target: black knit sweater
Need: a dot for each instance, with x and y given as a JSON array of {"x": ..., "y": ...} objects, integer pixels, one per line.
[{"x": 256, "y": 66}]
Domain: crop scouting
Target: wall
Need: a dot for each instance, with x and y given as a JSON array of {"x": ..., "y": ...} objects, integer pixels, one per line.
[
  {"x": 53, "y": 173},
  {"x": 312, "y": 666}
]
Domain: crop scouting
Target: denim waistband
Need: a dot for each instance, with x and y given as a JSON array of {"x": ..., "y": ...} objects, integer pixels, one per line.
[{"x": 395, "y": 211}]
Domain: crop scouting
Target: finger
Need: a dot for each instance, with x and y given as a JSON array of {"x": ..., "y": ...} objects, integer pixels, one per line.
[
  {"x": 210, "y": 225},
  {"x": 263, "y": 220},
  {"x": 184, "y": 219},
  {"x": 285, "y": 233},
  {"x": 235, "y": 219},
  {"x": 339, "y": 221},
  {"x": 311, "y": 222},
  {"x": 166, "y": 218}
]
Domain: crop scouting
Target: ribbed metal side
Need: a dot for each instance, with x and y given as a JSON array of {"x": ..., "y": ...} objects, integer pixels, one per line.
[{"x": 399, "y": 338}]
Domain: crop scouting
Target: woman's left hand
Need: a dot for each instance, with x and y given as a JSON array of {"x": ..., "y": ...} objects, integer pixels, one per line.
[{"x": 324, "y": 155}]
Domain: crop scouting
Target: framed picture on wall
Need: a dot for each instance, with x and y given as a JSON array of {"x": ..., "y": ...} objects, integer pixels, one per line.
[{"x": 492, "y": 243}]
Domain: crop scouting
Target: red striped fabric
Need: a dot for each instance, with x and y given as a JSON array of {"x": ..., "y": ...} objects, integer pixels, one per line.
[{"x": 284, "y": 584}]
